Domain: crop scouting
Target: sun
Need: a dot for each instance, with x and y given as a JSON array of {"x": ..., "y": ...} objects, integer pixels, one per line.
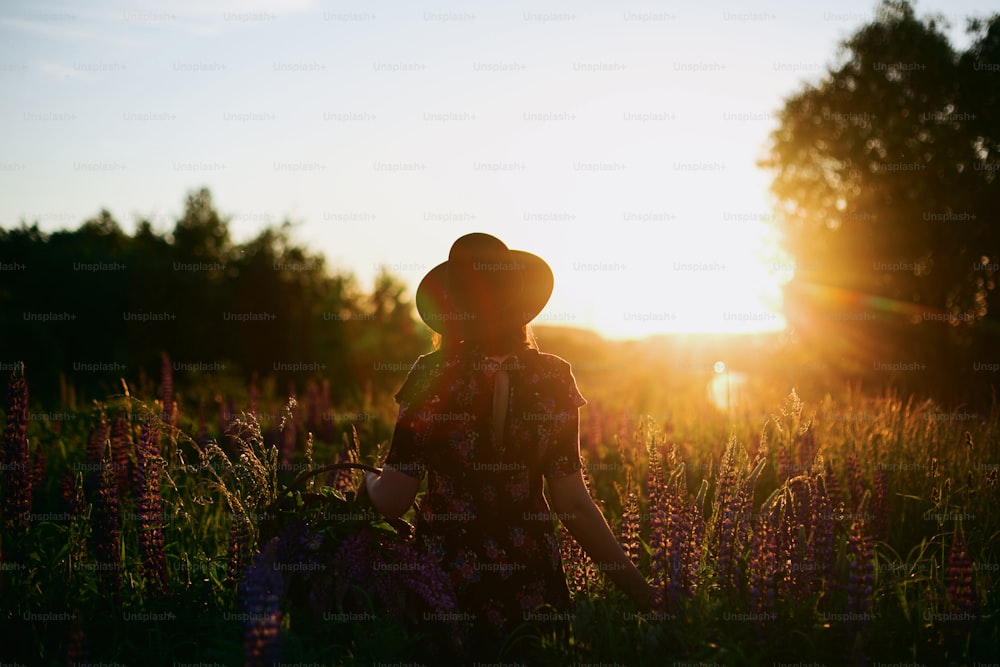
[{"x": 698, "y": 278}]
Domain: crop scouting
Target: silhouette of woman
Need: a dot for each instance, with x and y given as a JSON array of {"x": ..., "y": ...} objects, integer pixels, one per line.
[{"x": 487, "y": 417}]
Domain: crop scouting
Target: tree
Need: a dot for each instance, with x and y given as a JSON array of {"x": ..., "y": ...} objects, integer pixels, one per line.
[{"x": 887, "y": 193}]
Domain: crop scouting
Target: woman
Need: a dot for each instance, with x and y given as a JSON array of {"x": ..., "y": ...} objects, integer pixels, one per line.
[{"x": 487, "y": 417}]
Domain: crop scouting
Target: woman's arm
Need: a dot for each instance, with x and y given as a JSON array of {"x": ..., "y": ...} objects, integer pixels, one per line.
[
  {"x": 392, "y": 492},
  {"x": 577, "y": 511}
]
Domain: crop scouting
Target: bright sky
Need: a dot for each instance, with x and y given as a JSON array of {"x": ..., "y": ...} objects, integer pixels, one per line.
[{"x": 616, "y": 140}]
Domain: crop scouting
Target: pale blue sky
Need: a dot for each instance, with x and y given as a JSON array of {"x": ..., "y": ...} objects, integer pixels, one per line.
[{"x": 616, "y": 140}]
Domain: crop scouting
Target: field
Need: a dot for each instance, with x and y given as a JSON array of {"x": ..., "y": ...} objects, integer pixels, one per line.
[{"x": 784, "y": 529}]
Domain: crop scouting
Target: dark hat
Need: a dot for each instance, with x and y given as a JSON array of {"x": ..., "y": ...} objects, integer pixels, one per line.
[{"x": 484, "y": 284}]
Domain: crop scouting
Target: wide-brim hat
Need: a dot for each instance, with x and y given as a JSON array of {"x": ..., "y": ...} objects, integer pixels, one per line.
[{"x": 484, "y": 285}]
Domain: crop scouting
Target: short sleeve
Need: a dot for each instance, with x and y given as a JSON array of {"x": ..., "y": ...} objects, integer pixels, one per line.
[
  {"x": 410, "y": 435},
  {"x": 562, "y": 449}
]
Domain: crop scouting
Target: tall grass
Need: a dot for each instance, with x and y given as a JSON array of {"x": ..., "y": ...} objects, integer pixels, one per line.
[{"x": 859, "y": 530}]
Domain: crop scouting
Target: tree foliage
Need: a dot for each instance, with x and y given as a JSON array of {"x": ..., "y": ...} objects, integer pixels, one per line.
[
  {"x": 886, "y": 180},
  {"x": 96, "y": 304}
]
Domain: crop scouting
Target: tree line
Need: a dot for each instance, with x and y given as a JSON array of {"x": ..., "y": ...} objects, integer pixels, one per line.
[{"x": 97, "y": 304}]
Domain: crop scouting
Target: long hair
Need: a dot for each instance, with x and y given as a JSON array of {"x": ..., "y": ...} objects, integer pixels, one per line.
[{"x": 493, "y": 342}]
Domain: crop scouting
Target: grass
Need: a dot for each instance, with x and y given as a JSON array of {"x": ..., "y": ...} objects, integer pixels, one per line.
[{"x": 900, "y": 566}]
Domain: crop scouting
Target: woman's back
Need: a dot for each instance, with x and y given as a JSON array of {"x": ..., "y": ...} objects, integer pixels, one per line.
[{"x": 484, "y": 515}]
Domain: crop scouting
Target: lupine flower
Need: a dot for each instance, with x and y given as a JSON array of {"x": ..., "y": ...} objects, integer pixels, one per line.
[
  {"x": 961, "y": 589},
  {"x": 630, "y": 529},
  {"x": 682, "y": 546},
  {"x": 150, "y": 507},
  {"x": 880, "y": 506},
  {"x": 763, "y": 568},
  {"x": 353, "y": 560},
  {"x": 656, "y": 492},
  {"x": 821, "y": 547},
  {"x": 421, "y": 575},
  {"x": 860, "y": 572},
  {"x": 74, "y": 503},
  {"x": 106, "y": 533},
  {"x": 260, "y": 600},
  {"x": 580, "y": 571},
  {"x": 16, "y": 470},
  {"x": 167, "y": 387},
  {"x": 792, "y": 546}
]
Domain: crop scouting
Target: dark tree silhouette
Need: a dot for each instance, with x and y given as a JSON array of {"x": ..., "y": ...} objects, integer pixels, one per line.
[
  {"x": 97, "y": 304},
  {"x": 887, "y": 194}
]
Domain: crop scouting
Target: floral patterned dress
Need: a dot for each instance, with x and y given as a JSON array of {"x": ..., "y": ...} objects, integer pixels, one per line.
[{"x": 484, "y": 516}]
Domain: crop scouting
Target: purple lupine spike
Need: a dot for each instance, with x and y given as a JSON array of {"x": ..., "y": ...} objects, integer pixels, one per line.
[
  {"x": 961, "y": 588},
  {"x": 106, "y": 532},
  {"x": 167, "y": 387},
  {"x": 795, "y": 522},
  {"x": 860, "y": 573},
  {"x": 821, "y": 546},
  {"x": 260, "y": 600},
  {"x": 16, "y": 470},
  {"x": 880, "y": 506},
  {"x": 763, "y": 569},
  {"x": 630, "y": 528},
  {"x": 655, "y": 490},
  {"x": 353, "y": 560},
  {"x": 420, "y": 574},
  {"x": 121, "y": 452},
  {"x": 150, "y": 507},
  {"x": 678, "y": 532}
]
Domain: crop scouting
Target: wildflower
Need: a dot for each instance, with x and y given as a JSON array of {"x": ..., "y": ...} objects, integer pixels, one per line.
[
  {"x": 821, "y": 546},
  {"x": 763, "y": 566},
  {"x": 149, "y": 507},
  {"x": 260, "y": 602},
  {"x": 16, "y": 470},
  {"x": 880, "y": 506},
  {"x": 630, "y": 528},
  {"x": 106, "y": 533},
  {"x": 656, "y": 493},
  {"x": 961, "y": 590},
  {"x": 861, "y": 570}
]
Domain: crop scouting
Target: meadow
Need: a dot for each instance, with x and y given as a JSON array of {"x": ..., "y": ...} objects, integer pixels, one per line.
[{"x": 839, "y": 529}]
